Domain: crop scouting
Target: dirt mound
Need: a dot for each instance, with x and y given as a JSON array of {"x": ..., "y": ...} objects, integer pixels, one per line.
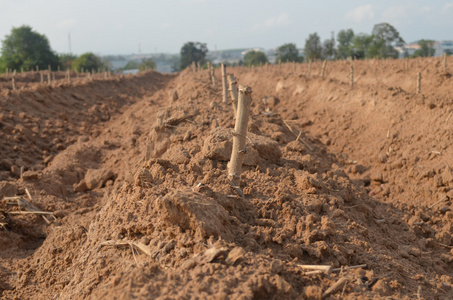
[{"x": 332, "y": 176}]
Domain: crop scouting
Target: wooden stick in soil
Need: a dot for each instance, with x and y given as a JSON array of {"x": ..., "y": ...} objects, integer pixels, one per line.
[
  {"x": 309, "y": 68},
  {"x": 239, "y": 135},
  {"x": 214, "y": 83},
  {"x": 419, "y": 82},
  {"x": 323, "y": 68},
  {"x": 233, "y": 92},
  {"x": 351, "y": 75},
  {"x": 13, "y": 80},
  {"x": 224, "y": 83},
  {"x": 445, "y": 62}
]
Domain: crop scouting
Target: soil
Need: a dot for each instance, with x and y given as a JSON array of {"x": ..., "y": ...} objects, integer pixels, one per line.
[{"x": 133, "y": 173}]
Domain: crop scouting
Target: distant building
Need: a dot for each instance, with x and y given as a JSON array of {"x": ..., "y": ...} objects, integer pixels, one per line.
[
  {"x": 409, "y": 49},
  {"x": 252, "y": 49},
  {"x": 443, "y": 47}
]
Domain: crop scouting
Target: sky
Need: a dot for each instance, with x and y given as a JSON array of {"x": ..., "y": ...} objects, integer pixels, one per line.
[{"x": 163, "y": 26}]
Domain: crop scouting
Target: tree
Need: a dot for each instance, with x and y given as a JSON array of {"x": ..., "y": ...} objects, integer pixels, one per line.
[
  {"x": 385, "y": 38},
  {"x": 87, "y": 61},
  {"x": 255, "y": 58},
  {"x": 426, "y": 48},
  {"x": 147, "y": 64},
  {"x": 360, "y": 45},
  {"x": 313, "y": 48},
  {"x": 344, "y": 39},
  {"x": 328, "y": 49},
  {"x": 65, "y": 60},
  {"x": 131, "y": 65},
  {"x": 25, "y": 48},
  {"x": 192, "y": 52},
  {"x": 288, "y": 52}
]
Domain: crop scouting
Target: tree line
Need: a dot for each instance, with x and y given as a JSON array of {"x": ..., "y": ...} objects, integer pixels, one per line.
[
  {"x": 381, "y": 43},
  {"x": 26, "y": 49}
]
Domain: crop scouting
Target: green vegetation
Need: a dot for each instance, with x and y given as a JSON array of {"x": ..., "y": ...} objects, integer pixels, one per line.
[
  {"x": 87, "y": 61},
  {"x": 313, "y": 47},
  {"x": 147, "y": 64},
  {"x": 25, "y": 48},
  {"x": 255, "y": 58},
  {"x": 344, "y": 39},
  {"x": 192, "y": 52},
  {"x": 131, "y": 65},
  {"x": 65, "y": 60},
  {"x": 384, "y": 38},
  {"x": 288, "y": 52},
  {"x": 361, "y": 45},
  {"x": 426, "y": 49},
  {"x": 380, "y": 44},
  {"x": 328, "y": 49}
]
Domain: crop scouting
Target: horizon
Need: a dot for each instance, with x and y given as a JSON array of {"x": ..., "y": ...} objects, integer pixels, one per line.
[{"x": 140, "y": 27}]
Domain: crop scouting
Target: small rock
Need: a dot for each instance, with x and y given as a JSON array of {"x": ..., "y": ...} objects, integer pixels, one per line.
[
  {"x": 270, "y": 101},
  {"x": 313, "y": 292},
  {"x": 212, "y": 253},
  {"x": 15, "y": 171},
  {"x": 376, "y": 176},
  {"x": 48, "y": 159},
  {"x": 59, "y": 214},
  {"x": 30, "y": 175},
  {"x": 7, "y": 189},
  {"x": 277, "y": 266},
  {"x": 173, "y": 96},
  {"x": 447, "y": 176},
  {"x": 235, "y": 256},
  {"x": 80, "y": 187},
  {"x": 189, "y": 264},
  {"x": 382, "y": 288},
  {"x": 95, "y": 178}
]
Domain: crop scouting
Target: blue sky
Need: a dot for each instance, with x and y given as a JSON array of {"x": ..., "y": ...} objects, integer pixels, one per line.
[{"x": 118, "y": 27}]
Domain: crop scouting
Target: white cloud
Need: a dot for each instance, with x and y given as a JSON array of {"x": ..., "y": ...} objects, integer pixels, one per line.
[
  {"x": 425, "y": 9},
  {"x": 397, "y": 13},
  {"x": 165, "y": 25},
  {"x": 361, "y": 13},
  {"x": 406, "y": 14},
  {"x": 447, "y": 8},
  {"x": 66, "y": 24},
  {"x": 282, "y": 19}
]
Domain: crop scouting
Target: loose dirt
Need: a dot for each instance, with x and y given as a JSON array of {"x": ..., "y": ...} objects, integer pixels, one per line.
[{"x": 133, "y": 171}]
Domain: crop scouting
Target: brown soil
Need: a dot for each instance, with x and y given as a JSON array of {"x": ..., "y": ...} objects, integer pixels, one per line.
[{"x": 134, "y": 171}]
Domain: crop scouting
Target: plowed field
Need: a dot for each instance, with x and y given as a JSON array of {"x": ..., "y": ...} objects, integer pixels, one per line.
[{"x": 117, "y": 188}]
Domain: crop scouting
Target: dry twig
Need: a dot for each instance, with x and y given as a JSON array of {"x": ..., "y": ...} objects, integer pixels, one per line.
[
  {"x": 336, "y": 286},
  {"x": 293, "y": 131},
  {"x": 441, "y": 200},
  {"x": 145, "y": 249}
]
